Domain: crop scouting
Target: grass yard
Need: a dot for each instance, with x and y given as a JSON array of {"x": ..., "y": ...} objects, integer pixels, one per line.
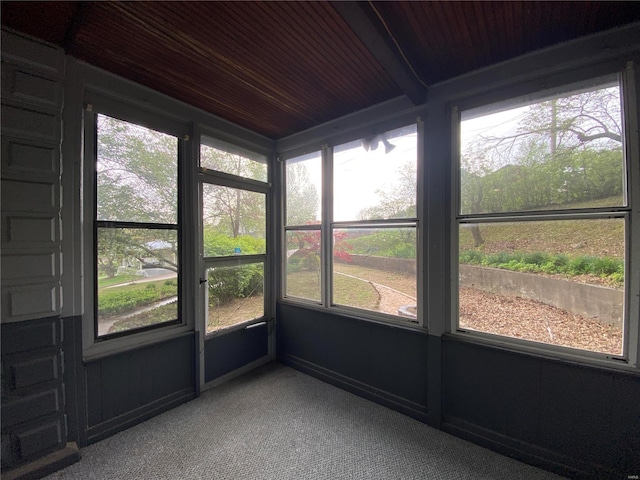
[
  {"x": 600, "y": 238},
  {"x": 236, "y": 311},
  {"x": 303, "y": 284},
  {"x": 348, "y": 291},
  {"x": 104, "y": 282},
  {"x": 355, "y": 293}
]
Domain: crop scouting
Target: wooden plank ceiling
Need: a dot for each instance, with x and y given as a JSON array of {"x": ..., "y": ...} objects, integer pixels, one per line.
[{"x": 278, "y": 68}]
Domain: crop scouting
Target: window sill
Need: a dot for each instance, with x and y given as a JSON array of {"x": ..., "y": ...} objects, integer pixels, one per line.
[
  {"x": 134, "y": 341},
  {"x": 357, "y": 314},
  {"x": 556, "y": 353},
  {"x": 238, "y": 326}
]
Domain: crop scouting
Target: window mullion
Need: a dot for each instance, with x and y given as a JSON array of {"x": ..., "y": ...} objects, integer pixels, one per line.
[
  {"x": 630, "y": 89},
  {"x": 327, "y": 228}
]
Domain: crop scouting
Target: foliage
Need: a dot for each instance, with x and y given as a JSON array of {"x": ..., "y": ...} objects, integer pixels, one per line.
[
  {"x": 306, "y": 244},
  {"x": 234, "y": 211},
  {"x": 143, "y": 319},
  {"x": 219, "y": 245},
  {"x": 566, "y": 178},
  {"x": 303, "y": 199},
  {"x": 137, "y": 171},
  {"x": 564, "y": 149},
  {"x": 227, "y": 283},
  {"x": 395, "y": 243},
  {"x": 398, "y": 200},
  {"x": 238, "y": 162},
  {"x": 541, "y": 262},
  {"x": 122, "y": 299},
  {"x": 146, "y": 247}
]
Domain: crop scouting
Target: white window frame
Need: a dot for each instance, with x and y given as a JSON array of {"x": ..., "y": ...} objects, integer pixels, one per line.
[
  {"x": 327, "y": 226},
  {"x": 631, "y": 214}
]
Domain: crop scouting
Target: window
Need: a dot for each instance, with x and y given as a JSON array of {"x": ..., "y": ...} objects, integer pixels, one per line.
[
  {"x": 303, "y": 234},
  {"x": 363, "y": 255},
  {"x": 234, "y": 225},
  {"x": 137, "y": 254},
  {"x": 543, "y": 220}
]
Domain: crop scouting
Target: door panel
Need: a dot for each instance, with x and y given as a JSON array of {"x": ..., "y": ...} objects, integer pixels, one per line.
[{"x": 226, "y": 353}]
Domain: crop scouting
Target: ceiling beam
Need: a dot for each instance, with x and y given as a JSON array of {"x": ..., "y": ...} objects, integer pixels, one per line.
[
  {"x": 75, "y": 25},
  {"x": 361, "y": 20}
]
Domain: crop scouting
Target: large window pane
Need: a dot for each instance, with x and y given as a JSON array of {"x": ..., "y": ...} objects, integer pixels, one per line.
[
  {"x": 236, "y": 294},
  {"x": 227, "y": 158},
  {"x": 137, "y": 280},
  {"x": 137, "y": 173},
  {"x": 559, "y": 282},
  {"x": 304, "y": 189},
  {"x": 375, "y": 269},
  {"x": 563, "y": 152},
  {"x": 375, "y": 178},
  {"x": 303, "y": 268},
  {"x": 234, "y": 221}
]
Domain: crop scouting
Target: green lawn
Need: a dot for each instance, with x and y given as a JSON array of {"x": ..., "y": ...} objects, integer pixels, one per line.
[
  {"x": 107, "y": 282},
  {"x": 599, "y": 238},
  {"x": 347, "y": 290}
]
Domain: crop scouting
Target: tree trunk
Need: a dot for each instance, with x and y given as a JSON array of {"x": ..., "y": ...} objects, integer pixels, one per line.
[{"x": 477, "y": 236}]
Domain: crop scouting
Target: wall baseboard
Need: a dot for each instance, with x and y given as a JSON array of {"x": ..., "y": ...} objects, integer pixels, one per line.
[
  {"x": 103, "y": 430},
  {"x": 526, "y": 452},
  {"x": 387, "y": 399}
]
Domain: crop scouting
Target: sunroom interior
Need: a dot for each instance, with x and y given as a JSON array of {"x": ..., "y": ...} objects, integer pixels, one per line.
[{"x": 432, "y": 205}]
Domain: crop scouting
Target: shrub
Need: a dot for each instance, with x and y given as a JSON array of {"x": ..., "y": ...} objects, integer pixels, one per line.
[
  {"x": 535, "y": 258},
  {"x": 536, "y": 262},
  {"x": 471, "y": 256},
  {"x": 605, "y": 266},
  {"x": 122, "y": 300},
  {"x": 227, "y": 283},
  {"x": 217, "y": 244},
  {"x": 579, "y": 265}
]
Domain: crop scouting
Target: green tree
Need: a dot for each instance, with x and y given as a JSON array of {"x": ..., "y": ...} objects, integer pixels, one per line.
[
  {"x": 398, "y": 200},
  {"x": 563, "y": 150},
  {"x": 232, "y": 210},
  {"x": 136, "y": 175},
  {"x": 302, "y": 196}
]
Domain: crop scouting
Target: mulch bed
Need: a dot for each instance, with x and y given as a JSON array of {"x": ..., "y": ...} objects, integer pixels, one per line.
[{"x": 531, "y": 320}]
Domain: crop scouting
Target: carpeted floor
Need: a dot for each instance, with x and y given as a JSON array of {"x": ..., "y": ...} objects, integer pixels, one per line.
[{"x": 278, "y": 423}]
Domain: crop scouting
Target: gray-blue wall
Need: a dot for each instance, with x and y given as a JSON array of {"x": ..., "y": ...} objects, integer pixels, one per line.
[{"x": 576, "y": 420}]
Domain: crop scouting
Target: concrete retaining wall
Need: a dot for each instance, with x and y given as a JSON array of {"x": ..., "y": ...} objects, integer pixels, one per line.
[{"x": 591, "y": 301}]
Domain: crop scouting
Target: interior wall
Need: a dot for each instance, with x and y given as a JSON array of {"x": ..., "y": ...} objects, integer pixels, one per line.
[
  {"x": 377, "y": 361},
  {"x": 33, "y": 413},
  {"x": 52, "y": 394},
  {"x": 564, "y": 415},
  {"x": 587, "y": 416},
  {"x": 552, "y": 412}
]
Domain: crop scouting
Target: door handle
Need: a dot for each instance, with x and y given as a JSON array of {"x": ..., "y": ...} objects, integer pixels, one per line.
[{"x": 254, "y": 325}]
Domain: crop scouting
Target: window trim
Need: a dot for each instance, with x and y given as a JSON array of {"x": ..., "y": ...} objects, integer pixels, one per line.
[
  {"x": 100, "y": 103},
  {"x": 327, "y": 225},
  {"x": 629, "y": 85}
]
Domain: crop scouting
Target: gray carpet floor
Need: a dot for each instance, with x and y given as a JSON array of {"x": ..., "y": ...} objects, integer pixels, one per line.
[{"x": 278, "y": 423}]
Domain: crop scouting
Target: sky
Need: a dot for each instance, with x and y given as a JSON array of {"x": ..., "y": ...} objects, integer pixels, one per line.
[{"x": 359, "y": 173}]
